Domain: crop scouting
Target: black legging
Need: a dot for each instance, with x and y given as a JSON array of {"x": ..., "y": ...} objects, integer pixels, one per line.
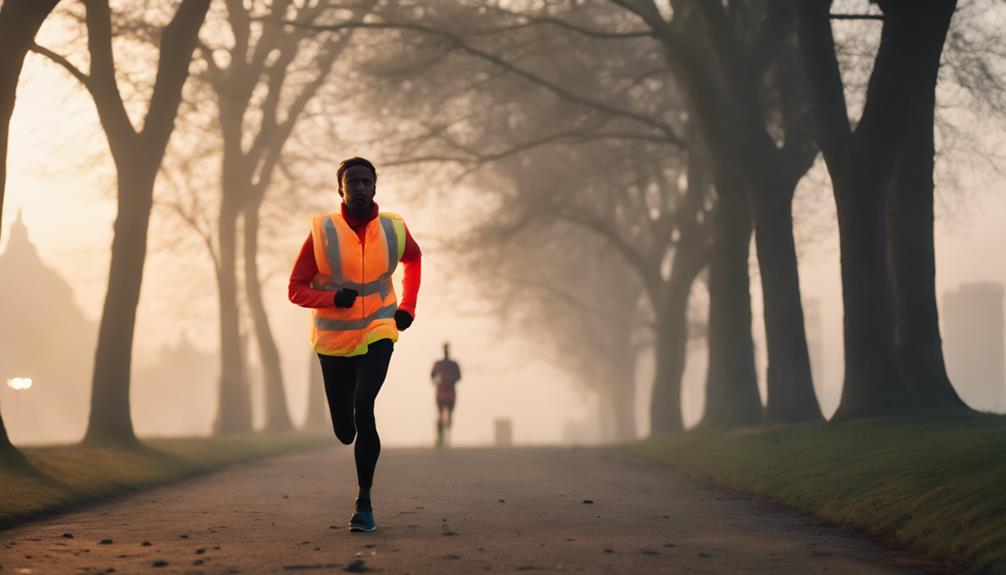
[{"x": 351, "y": 385}]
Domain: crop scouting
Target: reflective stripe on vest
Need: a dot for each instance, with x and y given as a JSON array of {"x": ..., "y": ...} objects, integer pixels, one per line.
[{"x": 344, "y": 261}]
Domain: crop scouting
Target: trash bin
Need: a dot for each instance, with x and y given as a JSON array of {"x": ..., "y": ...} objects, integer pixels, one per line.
[{"x": 504, "y": 432}]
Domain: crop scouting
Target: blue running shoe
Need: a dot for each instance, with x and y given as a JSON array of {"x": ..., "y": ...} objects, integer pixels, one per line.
[{"x": 362, "y": 522}]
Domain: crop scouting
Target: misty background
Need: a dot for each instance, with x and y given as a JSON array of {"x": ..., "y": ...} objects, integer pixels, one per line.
[{"x": 57, "y": 228}]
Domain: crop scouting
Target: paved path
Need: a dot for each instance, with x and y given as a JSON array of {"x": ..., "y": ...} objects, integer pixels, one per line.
[{"x": 458, "y": 511}]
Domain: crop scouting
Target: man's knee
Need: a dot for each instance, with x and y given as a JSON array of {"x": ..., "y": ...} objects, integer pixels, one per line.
[
  {"x": 345, "y": 432},
  {"x": 364, "y": 415}
]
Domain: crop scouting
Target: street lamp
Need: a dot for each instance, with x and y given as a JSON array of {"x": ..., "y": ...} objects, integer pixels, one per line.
[{"x": 18, "y": 384}]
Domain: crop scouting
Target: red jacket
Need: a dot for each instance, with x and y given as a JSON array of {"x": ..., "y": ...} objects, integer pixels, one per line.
[{"x": 305, "y": 268}]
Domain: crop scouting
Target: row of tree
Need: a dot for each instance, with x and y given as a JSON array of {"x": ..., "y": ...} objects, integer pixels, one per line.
[
  {"x": 262, "y": 77},
  {"x": 593, "y": 115},
  {"x": 643, "y": 141}
]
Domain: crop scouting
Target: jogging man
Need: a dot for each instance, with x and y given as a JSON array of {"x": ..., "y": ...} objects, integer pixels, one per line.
[
  {"x": 343, "y": 274},
  {"x": 445, "y": 375}
]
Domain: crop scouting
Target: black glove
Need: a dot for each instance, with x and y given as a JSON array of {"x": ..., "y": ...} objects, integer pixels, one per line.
[
  {"x": 403, "y": 320},
  {"x": 345, "y": 297}
]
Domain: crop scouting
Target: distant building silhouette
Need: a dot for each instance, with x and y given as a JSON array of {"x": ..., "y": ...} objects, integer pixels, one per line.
[
  {"x": 973, "y": 344},
  {"x": 45, "y": 336}
]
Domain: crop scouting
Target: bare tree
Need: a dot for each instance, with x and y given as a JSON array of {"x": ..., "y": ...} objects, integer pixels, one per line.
[
  {"x": 481, "y": 69},
  {"x": 289, "y": 66},
  {"x": 137, "y": 156},
  {"x": 864, "y": 166},
  {"x": 562, "y": 283},
  {"x": 19, "y": 22},
  {"x": 735, "y": 61}
]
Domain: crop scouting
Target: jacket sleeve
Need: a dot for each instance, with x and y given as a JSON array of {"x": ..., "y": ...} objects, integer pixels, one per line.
[
  {"x": 305, "y": 268},
  {"x": 412, "y": 261}
]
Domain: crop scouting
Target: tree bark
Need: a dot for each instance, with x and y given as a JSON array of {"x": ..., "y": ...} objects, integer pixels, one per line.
[
  {"x": 911, "y": 248},
  {"x": 790, "y": 385},
  {"x": 862, "y": 164},
  {"x": 5, "y": 445},
  {"x": 234, "y": 408},
  {"x": 277, "y": 414},
  {"x": 110, "y": 418},
  {"x": 872, "y": 386},
  {"x": 671, "y": 344},
  {"x": 137, "y": 158},
  {"x": 732, "y": 386}
]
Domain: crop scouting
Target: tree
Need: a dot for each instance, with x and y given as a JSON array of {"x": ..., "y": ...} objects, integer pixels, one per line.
[
  {"x": 735, "y": 62},
  {"x": 515, "y": 122},
  {"x": 558, "y": 279},
  {"x": 284, "y": 64},
  {"x": 865, "y": 164},
  {"x": 19, "y": 22},
  {"x": 137, "y": 156}
]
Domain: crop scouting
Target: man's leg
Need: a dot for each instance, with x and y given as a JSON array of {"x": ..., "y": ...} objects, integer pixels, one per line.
[
  {"x": 373, "y": 368},
  {"x": 440, "y": 424},
  {"x": 339, "y": 374}
]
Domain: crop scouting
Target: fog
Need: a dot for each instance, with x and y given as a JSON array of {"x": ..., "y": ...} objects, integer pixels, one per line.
[{"x": 60, "y": 183}]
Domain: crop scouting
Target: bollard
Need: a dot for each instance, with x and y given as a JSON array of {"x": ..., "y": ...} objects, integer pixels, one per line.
[{"x": 504, "y": 432}]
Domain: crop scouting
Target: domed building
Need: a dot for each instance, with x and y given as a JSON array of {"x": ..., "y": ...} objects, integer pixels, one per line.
[{"x": 46, "y": 337}]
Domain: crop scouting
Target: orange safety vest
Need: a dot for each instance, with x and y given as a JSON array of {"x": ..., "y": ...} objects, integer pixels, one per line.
[{"x": 346, "y": 262}]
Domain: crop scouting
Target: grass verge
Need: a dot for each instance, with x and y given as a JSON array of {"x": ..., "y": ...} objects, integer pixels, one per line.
[
  {"x": 934, "y": 485},
  {"x": 47, "y": 480}
]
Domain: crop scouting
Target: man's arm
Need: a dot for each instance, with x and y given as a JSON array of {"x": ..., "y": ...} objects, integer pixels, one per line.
[
  {"x": 412, "y": 261},
  {"x": 305, "y": 268}
]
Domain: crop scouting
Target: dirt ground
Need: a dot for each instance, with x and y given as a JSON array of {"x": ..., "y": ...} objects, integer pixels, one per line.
[{"x": 453, "y": 511}]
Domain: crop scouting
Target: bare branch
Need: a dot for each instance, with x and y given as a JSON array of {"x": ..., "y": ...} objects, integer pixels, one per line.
[{"x": 62, "y": 61}]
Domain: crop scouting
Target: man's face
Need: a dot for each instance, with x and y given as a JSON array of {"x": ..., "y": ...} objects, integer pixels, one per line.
[{"x": 358, "y": 188}]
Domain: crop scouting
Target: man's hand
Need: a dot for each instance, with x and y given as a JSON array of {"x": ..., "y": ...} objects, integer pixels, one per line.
[
  {"x": 345, "y": 297},
  {"x": 403, "y": 320}
]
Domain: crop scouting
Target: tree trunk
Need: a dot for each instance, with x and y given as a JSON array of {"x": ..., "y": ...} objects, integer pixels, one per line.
[
  {"x": 790, "y": 385},
  {"x": 5, "y": 445},
  {"x": 671, "y": 345},
  {"x": 862, "y": 164},
  {"x": 19, "y": 22},
  {"x": 912, "y": 253},
  {"x": 138, "y": 157},
  {"x": 872, "y": 386},
  {"x": 317, "y": 419},
  {"x": 622, "y": 391},
  {"x": 732, "y": 386},
  {"x": 277, "y": 415},
  {"x": 234, "y": 409},
  {"x": 110, "y": 419}
]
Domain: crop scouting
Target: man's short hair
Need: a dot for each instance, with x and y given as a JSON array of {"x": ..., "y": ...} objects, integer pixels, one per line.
[{"x": 354, "y": 161}]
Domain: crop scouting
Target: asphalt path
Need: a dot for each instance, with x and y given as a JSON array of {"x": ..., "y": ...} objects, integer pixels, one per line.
[{"x": 451, "y": 511}]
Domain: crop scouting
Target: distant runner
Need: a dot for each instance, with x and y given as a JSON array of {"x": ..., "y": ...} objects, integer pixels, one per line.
[
  {"x": 343, "y": 274},
  {"x": 446, "y": 374}
]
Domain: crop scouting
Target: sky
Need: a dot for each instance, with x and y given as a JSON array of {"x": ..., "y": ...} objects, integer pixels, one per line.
[{"x": 60, "y": 178}]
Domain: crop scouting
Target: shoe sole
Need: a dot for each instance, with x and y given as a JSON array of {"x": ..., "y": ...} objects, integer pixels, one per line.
[{"x": 361, "y": 529}]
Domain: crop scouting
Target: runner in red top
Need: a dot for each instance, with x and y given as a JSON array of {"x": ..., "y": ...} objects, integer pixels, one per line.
[{"x": 446, "y": 374}]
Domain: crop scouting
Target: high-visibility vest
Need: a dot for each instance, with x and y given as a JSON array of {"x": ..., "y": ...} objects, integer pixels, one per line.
[{"x": 346, "y": 262}]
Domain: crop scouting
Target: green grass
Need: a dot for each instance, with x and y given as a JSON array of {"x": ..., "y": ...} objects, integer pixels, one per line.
[
  {"x": 53, "y": 479},
  {"x": 935, "y": 485}
]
